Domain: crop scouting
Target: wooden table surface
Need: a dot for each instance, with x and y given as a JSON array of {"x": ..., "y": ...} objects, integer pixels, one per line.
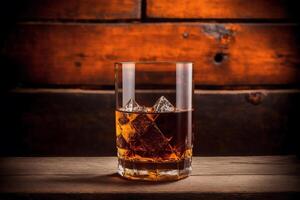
[{"x": 256, "y": 177}]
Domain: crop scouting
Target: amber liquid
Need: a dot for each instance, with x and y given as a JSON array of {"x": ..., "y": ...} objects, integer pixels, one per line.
[{"x": 154, "y": 146}]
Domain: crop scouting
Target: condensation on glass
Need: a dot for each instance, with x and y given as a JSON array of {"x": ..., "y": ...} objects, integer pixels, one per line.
[{"x": 154, "y": 119}]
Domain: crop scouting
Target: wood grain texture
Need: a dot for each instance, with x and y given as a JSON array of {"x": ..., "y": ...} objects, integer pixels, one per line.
[
  {"x": 76, "y": 9},
  {"x": 220, "y": 9},
  {"x": 212, "y": 178},
  {"x": 84, "y": 54},
  {"x": 66, "y": 122}
]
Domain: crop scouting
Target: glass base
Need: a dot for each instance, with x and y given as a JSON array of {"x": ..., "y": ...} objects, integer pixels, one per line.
[{"x": 150, "y": 171}]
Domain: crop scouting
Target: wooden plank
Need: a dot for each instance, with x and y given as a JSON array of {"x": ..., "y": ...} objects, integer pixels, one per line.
[
  {"x": 47, "y": 178},
  {"x": 84, "y": 54},
  {"x": 220, "y": 9},
  {"x": 202, "y": 166},
  {"x": 73, "y": 10},
  {"x": 68, "y": 122}
]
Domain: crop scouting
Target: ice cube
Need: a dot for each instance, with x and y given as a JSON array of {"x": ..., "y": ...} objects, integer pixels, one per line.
[
  {"x": 163, "y": 105},
  {"x": 133, "y": 106},
  {"x": 141, "y": 123},
  {"x": 121, "y": 142},
  {"x": 123, "y": 126},
  {"x": 149, "y": 141},
  {"x": 123, "y": 119},
  {"x": 127, "y": 131},
  {"x": 136, "y": 145},
  {"x": 155, "y": 142}
]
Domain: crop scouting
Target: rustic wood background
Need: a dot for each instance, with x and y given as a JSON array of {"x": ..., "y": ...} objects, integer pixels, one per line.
[{"x": 57, "y": 71}]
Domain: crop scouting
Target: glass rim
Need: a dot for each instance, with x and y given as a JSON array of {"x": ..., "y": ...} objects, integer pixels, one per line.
[{"x": 154, "y": 62}]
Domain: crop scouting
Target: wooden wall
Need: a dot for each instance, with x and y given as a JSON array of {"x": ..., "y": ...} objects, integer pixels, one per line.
[{"x": 57, "y": 71}]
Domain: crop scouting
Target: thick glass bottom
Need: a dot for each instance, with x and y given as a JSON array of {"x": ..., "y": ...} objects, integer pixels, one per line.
[{"x": 154, "y": 171}]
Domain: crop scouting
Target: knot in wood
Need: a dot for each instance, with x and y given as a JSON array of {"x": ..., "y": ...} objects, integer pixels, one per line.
[
  {"x": 221, "y": 33},
  {"x": 255, "y": 98}
]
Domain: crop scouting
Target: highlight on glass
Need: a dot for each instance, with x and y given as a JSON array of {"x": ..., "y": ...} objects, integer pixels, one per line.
[{"x": 154, "y": 119}]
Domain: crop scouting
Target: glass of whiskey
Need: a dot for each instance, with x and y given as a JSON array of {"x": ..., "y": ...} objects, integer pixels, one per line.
[{"x": 154, "y": 120}]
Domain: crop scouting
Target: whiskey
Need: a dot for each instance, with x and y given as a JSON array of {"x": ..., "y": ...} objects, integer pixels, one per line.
[{"x": 154, "y": 145}]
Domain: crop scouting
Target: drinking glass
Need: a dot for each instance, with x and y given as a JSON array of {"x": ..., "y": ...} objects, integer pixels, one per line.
[{"x": 154, "y": 119}]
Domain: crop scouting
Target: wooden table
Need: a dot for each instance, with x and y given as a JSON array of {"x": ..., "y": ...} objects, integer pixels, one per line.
[{"x": 257, "y": 177}]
